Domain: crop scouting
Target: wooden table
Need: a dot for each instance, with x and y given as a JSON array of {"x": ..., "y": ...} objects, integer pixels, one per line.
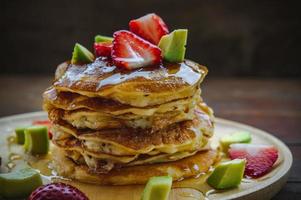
[{"x": 273, "y": 105}]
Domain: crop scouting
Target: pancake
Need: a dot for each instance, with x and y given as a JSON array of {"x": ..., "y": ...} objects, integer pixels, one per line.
[
  {"x": 180, "y": 136},
  {"x": 103, "y": 162},
  {"x": 133, "y": 141},
  {"x": 139, "y": 88},
  {"x": 183, "y": 168},
  {"x": 73, "y": 101},
  {"x": 98, "y": 113},
  {"x": 73, "y": 144},
  {"x": 117, "y": 127},
  {"x": 84, "y": 118}
]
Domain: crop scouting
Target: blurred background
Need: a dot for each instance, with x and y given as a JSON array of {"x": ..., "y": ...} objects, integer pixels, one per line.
[
  {"x": 232, "y": 38},
  {"x": 252, "y": 49}
]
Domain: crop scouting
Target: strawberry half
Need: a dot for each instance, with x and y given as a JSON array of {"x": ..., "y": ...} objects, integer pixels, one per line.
[
  {"x": 55, "y": 191},
  {"x": 260, "y": 158},
  {"x": 103, "y": 49},
  {"x": 150, "y": 27},
  {"x": 46, "y": 123},
  {"x": 131, "y": 51}
]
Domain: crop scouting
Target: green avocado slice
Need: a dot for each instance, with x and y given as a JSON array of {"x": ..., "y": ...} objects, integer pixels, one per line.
[
  {"x": 19, "y": 184},
  {"x": 173, "y": 45},
  {"x": 101, "y": 38},
  {"x": 227, "y": 174},
  {"x": 20, "y": 135},
  {"x": 157, "y": 188},
  {"x": 36, "y": 140},
  {"x": 237, "y": 137},
  {"x": 81, "y": 55}
]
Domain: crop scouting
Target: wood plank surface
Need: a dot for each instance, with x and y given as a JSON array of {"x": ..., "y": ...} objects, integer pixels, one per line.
[{"x": 273, "y": 105}]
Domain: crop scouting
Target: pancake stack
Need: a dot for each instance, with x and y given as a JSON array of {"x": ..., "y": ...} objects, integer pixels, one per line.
[{"x": 118, "y": 127}]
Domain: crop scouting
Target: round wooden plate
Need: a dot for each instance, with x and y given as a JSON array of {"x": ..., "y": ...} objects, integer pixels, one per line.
[{"x": 263, "y": 188}]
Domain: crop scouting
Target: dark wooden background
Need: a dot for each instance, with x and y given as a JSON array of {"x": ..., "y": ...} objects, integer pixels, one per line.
[
  {"x": 251, "y": 47},
  {"x": 233, "y": 37}
]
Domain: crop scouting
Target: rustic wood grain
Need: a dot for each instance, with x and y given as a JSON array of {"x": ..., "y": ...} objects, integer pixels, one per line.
[{"x": 273, "y": 105}]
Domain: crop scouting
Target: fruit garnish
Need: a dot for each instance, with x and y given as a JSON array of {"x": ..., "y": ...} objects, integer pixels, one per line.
[
  {"x": 173, "y": 45},
  {"x": 56, "y": 191},
  {"x": 103, "y": 46},
  {"x": 19, "y": 184},
  {"x": 81, "y": 55},
  {"x": 36, "y": 140},
  {"x": 227, "y": 174},
  {"x": 101, "y": 38},
  {"x": 260, "y": 158},
  {"x": 20, "y": 134},
  {"x": 103, "y": 49},
  {"x": 157, "y": 188},
  {"x": 131, "y": 51},
  {"x": 237, "y": 137},
  {"x": 46, "y": 123},
  {"x": 150, "y": 27}
]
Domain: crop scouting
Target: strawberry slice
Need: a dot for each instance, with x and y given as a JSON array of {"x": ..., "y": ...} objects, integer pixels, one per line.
[
  {"x": 150, "y": 27},
  {"x": 131, "y": 51},
  {"x": 260, "y": 158},
  {"x": 103, "y": 49},
  {"x": 44, "y": 123},
  {"x": 55, "y": 191}
]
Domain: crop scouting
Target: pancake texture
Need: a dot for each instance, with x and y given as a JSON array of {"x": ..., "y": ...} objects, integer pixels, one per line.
[
  {"x": 118, "y": 127},
  {"x": 184, "y": 168}
]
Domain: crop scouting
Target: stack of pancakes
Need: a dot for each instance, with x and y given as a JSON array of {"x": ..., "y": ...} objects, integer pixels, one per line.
[{"x": 112, "y": 126}]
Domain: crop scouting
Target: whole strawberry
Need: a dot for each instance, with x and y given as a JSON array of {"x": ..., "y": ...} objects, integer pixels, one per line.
[{"x": 57, "y": 191}]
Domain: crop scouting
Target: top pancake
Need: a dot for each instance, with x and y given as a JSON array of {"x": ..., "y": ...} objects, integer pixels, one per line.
[{"x": 141, "y": 87}]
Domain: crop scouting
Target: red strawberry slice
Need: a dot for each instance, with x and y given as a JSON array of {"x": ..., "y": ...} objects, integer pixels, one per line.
[
  {"x": 150, "y": 27},
  {"x": 44, "y": 123},
  {"x": 103, "y": 49},
  {"x": 260, "y": 158},
  {"x": 131, "y": 51},
  {"x": 55, "y": 191}
]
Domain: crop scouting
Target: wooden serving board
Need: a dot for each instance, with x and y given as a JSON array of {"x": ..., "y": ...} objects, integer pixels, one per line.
[{"x": 263, "y": 188}]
